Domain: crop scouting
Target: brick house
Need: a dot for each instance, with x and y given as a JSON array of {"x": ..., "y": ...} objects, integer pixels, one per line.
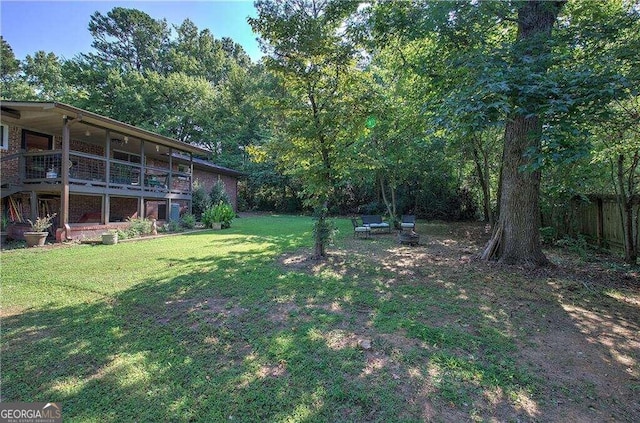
[{"x": 94, "y": 172}]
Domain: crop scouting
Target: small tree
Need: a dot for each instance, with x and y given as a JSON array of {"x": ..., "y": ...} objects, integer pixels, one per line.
[
  {"x": 218, "y": 194},
  {"x": 315, "y": 66},
  {"x": 323, "y": 230},
  {"x": 199, "y": 200},
  {"x": 619, "y": 144}
]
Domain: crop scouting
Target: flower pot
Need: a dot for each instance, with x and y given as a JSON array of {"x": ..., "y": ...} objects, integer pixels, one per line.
[
  {"x": 35, "y": 239},
  {"x": 216, "y": 225},
  {"x": 110, "y": 239}
]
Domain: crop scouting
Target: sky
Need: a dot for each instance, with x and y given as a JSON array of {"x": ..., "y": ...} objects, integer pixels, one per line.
[{"x": 61, "y": 27}]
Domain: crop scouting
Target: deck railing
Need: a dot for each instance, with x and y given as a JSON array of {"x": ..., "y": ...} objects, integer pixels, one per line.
[{"x": 90, "y": 169}]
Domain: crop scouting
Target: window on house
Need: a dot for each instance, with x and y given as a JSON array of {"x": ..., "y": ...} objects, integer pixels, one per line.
[
  {"x": 34, "y": 141},
  {"x": 4, "y": 133}
]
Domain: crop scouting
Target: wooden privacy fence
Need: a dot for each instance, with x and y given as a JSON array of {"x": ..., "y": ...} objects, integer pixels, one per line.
[{"x": 600, "y": 220}]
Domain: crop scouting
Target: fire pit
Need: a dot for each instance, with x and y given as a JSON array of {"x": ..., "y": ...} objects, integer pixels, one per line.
[{"x": 408, "y": 237}]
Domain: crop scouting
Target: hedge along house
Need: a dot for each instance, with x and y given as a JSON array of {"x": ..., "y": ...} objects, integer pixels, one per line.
[{"x": 94, "y": 172}]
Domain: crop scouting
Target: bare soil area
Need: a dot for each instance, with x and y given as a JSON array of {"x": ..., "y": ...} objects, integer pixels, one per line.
[{"x": 576, "y": 324}]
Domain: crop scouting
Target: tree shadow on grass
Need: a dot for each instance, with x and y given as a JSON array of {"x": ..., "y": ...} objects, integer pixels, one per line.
[
  {"x": 185, "y": 350},
  {"x": 243, "y": 337}
]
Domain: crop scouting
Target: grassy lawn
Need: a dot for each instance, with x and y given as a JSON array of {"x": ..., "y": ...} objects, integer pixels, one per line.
[{"x": 239, "y": 325}]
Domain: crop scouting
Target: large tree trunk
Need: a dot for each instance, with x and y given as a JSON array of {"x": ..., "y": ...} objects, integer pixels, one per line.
[{"x": 516, "y": 239}]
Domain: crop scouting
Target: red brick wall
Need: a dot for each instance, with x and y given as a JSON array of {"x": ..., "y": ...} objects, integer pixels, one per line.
[
  {"x": 208, "y": 180},
  {"x": 123, "y": 208},
  {"x": 87, "y": 206},
  {"x": 159, "y": 164},
  {"x": 82, "y": 147},
  {"x": 151, "y": 209},
  {"x": 9, "y": 169}
]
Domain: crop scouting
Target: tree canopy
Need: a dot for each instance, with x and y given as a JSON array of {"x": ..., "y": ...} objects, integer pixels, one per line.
[{"x": 502, "y": 111}]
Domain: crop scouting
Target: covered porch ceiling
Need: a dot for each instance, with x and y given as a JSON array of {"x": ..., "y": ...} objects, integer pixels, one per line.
[{"x": 48, "y": 117}]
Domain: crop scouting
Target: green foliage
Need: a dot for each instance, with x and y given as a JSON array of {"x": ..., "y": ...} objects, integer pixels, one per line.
[
  {"x": 138, "y": 227},
  {"x": 324, "y": 231},
  {"x": 130, "y": 38},
  {"x": 42, "y": 223},
  {"x": 405, "y": 99},
  {"x": 9, "y": 65},
  {"x": 548, "y": 235},
  {"x": 577, "y": 245},
  {"x": 222, "y": 213},
  {"x": 4, "y": 222},
  {"x": 188, "y": 221},
  {"x": 122, "y": 234},
  {"x": 218, "y": 194},
  {"x": 172, "y": 226},
  {"x": 199, "y": 199}
]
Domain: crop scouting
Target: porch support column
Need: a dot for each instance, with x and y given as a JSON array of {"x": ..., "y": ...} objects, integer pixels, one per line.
[
  {"x": 143, "y": 180},
  {"x": 170, "y": 176},
  {"x": 106, "y": 208},
  {"x": 191, "y": 183},
  {"x": 33, "y": 201},
  {"x": 65, "y": 164},
  {"x": 107, "y": 155},
  {"x": 107, "y": 163},
  {"x": 140, "y": 207}
]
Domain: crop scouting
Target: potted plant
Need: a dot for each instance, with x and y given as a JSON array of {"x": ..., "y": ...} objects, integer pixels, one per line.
[
  {"x": 218, "y": 217},
  {"x": 38, "y": 234},
  {"x": 4, "y": 223},
  {"x": 110, "y": 238}
]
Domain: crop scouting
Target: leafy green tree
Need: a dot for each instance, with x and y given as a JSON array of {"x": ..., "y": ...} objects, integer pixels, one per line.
[
  {"x": 130, "y": 38},
  {"x": 198, "y": 53},
  {"x": 12, "y": 85},
  {"x": 316, "y": 65},
  {"x": 9, "y": 65},
  {"x": 494, "y": 62},
  {"x": 45, "y": 75},
  {"x": 393, "y": 137},
  {"x": 618, "y": 146}
]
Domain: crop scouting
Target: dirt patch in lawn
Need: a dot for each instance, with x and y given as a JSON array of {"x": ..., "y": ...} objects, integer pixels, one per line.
[{"x": 574, "y": 327}]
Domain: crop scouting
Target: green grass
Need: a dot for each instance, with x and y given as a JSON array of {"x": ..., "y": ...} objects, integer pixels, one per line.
[{"x": 211, "y": 326}]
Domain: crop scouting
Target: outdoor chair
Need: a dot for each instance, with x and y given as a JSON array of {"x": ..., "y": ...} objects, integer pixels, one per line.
[
  {"x": 374, "y": 221},
  {"x": 408, "y": 222},
  {"x": 359, "y": 230}
]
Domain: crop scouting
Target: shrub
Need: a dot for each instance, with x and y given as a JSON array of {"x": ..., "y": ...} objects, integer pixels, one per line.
[
  {"x": 188, "y": 221},
  {"x": 222, "y": 213},
  {"x": 199, "y": 200},
  {"x": 138, "y": 227},
  {"x": 548, "y": 235},
  {"x": 173, "y": 226},
  {"x": 218, "y": 194}
]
